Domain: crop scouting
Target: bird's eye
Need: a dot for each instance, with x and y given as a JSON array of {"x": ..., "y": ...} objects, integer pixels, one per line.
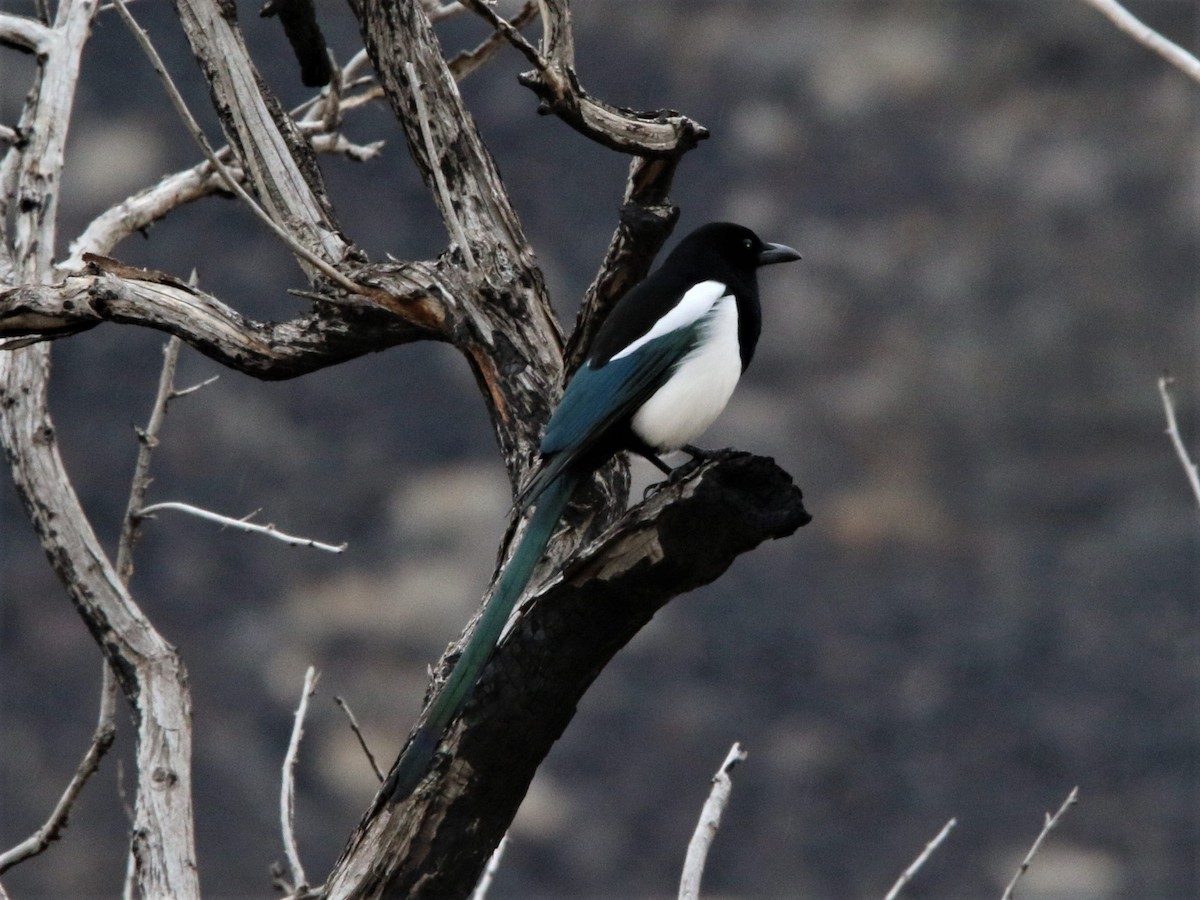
[{"x": 748, "y": 243}]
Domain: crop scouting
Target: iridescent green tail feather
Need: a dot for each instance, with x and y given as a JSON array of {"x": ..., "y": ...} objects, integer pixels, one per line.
[{"x": 448, "y": 702}]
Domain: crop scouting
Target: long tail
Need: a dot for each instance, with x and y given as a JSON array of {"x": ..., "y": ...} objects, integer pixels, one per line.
[{"x": 447, "y": 703}]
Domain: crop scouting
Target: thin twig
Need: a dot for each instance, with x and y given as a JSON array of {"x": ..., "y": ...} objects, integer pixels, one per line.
[
  {"x": 706, "y": 828},
  {"x": 467, "y": 61},
  {"x": 338, "y": 143},
  {"x": 439, "y": 176},
  {"x": 287, "y": 791},
  {"x": 1189, "y": 467},
  {"x": 907, "y": 875},
  {"x": 183, "y": 392},
  {"x": 359, "y": 60},
  {"x": 143, "y": 208},
  {"x": 439, "y": 11},
  {"x": 233, "y": 184},
  {"x": 1051, "y": 821},
  {"x": 147, "y": 441},
  {"x": 1148, "y": 37},
  {"x": 362, "y": 741},
  {"x": 241, "y": 525},
  {"x": 102, "y": 740},
  {"x": 510, "y": 33},
  {"x": 489, "y": 873}
]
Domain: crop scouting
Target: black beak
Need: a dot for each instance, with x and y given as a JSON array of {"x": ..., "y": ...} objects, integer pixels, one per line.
[{"x": 776, "y": 253}]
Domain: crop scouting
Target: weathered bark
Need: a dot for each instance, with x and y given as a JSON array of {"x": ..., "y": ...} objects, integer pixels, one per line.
[
  {"x": 278, "y": 161},
  {"x": 611, "y": 569},
  {"x": 150, "y": 672},
  {"x": 435, "y": 843},
  {"x": 405, "y": 309}
]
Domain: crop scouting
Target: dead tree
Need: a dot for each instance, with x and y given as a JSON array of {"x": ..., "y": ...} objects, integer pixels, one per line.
[{"x": 608, "y": 570}]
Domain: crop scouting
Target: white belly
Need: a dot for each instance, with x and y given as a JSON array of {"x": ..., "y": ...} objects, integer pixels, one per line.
[{"x": 692, "y": 398}]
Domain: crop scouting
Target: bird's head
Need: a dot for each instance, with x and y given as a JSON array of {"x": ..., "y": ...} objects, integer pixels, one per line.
[{"x": 735, "y": 245}]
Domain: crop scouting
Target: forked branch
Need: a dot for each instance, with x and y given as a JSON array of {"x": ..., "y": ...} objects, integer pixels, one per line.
[
  {"x": 528, "y": 692},
  {"x": 553, "y": 80},
  {"x": 102, "y": 739},
  {"x": 486, "y": 296}
]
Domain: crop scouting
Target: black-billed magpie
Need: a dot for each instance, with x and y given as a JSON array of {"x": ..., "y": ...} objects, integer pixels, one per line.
[{"x": 660, "y": 370}]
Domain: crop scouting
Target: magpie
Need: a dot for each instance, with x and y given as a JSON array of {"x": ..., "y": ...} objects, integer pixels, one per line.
[{"x": 661, "y": 368}]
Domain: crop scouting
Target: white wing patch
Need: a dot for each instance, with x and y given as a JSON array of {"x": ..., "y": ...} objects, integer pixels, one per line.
[
  {"x": 692, "y": 306},
  {"x": 692, "y": 398}
]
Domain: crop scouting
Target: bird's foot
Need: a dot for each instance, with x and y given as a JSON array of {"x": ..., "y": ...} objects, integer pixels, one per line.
[{"x": 699, "y": 457}]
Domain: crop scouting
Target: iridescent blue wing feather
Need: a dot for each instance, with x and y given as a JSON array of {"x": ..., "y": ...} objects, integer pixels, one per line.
[{"x": 598, "y": 397}]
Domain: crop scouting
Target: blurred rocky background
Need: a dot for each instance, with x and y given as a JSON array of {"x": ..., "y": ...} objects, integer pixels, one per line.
[{"x": 997, "y": 203}]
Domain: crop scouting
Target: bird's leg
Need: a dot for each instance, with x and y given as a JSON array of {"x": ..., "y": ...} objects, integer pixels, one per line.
[
  {"x": 698, "y": 454},
  {"x": 653, "y": 458},
  {"x": 698, "y": 457},
  {"x": 657, "y": 462},
  {"x": 648, "y": 454}
]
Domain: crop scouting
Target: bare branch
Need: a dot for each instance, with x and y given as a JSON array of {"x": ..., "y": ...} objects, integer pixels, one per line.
[
  {"x": 553, "y": 80},
  {"x": 407, "y": 306},
  {"x": 287, "y": 791},
  {"x": 706, "y": 827},
  {"x": 147, "y": 441},
  {"x": 509, "y": 32},
  {"x": 1189, "y": 467},
  {"x": 278, "y": 161},
  {"x": 503, "y": 321},
  {"x": 438, "y": 11},
  {"x": 446, "y": 145},
  {"x": 343, "y": 146},
  {"x": 447, "y": 202},
  {"x": 102, "y": 739},
  {"x": 232, "y": 183},
  {"x": 139, "y": 211},
  {"x": 200, "y": 385},
  {"x": 350, "y": 72},
  {"x": 907, "y": 875},
  {"x": 152, "y": 676},
  {"x": 24, "y": 33},
  {"x": 469, "y": 61},
  {"x": 362, "y": 741},
  {"x": 564, "y": 636},
  {"x": 647, "y": 219},
  {"x": 489, "y": 300},
  {"x": 31, "y": 170},
  {"x": 240, "y": 525},
  {"x": 1051, "y": 821},
  {"x": 142, "y": 209},
  {"x": 1148, "y": 37}
]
